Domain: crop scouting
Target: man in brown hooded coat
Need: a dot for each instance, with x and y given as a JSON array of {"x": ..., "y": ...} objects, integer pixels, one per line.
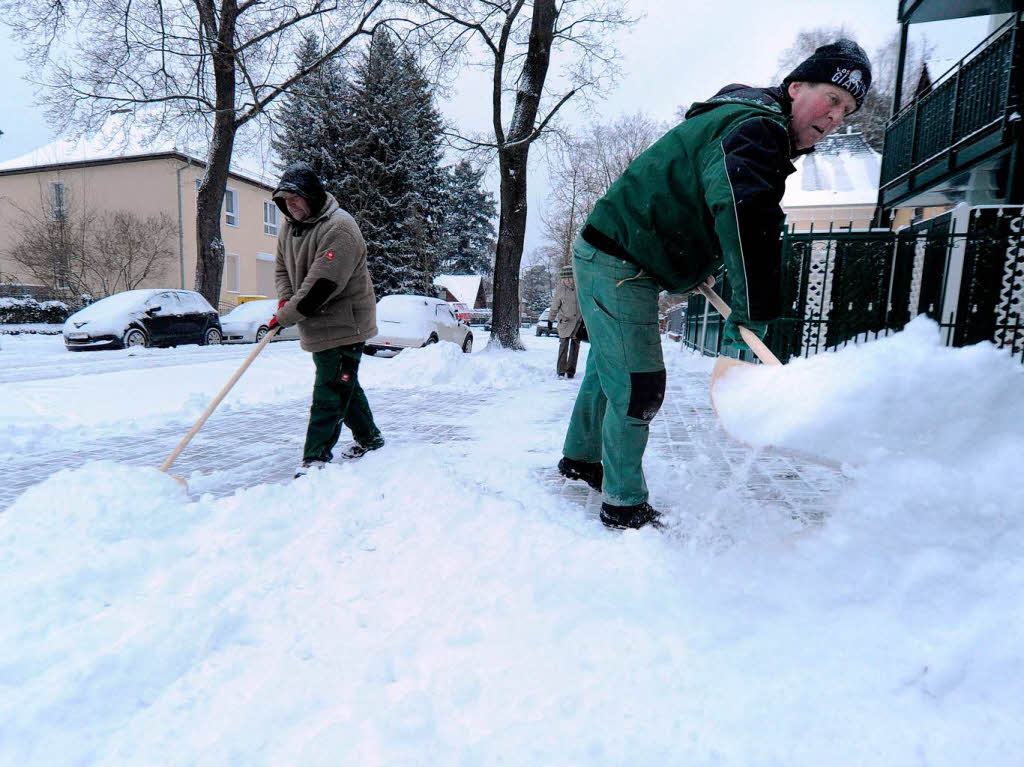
[{"x": 324, "y": 287}]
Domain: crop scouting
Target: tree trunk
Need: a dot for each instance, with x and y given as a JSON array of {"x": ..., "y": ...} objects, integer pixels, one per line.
[
  {"x": 210, "y": 244},
  {"x": 512, "y": 158},
  {"x": 210, "y": 200},
  {"x": 509, "y": 252}
]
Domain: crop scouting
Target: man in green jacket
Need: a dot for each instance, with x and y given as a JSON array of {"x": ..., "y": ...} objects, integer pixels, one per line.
[
  {"x": 706, "y": 193},
  {"x": 323, "y": 285}
]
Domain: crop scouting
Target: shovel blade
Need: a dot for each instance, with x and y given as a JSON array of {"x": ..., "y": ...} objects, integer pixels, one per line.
[{"x": 723, "y": 366}]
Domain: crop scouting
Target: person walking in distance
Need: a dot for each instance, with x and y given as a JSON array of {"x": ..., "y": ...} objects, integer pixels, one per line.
[{"x": 565, "y": 310}]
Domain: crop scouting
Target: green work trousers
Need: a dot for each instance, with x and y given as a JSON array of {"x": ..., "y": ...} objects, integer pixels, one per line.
[
  {"x": 624, "y": 383},
  {"x": 338, "y": 399}
]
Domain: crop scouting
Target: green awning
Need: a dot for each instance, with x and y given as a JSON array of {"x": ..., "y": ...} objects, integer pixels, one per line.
[{"x": 918, "y": 11}]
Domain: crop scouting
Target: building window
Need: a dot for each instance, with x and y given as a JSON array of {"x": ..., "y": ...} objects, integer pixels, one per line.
[
  {"x": 231, "y": 272},
  {"x": 269, "y": 218},
  {"x": 58, "y": 201},
  {"x": 230, "y": 207}
]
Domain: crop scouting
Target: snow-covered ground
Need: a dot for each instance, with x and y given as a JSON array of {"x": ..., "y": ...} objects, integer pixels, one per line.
[{"x": 436, "y": 603}]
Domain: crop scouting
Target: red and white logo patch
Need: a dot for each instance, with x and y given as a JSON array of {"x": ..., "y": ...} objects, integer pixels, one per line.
[{"x": 329, "y": 255}]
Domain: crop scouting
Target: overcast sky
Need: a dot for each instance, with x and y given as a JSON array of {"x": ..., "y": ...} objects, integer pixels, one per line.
[{"x": 680, "y": 51}]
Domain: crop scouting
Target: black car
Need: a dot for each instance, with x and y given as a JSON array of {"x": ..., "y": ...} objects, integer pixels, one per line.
[{"x": 151, "y": 317}]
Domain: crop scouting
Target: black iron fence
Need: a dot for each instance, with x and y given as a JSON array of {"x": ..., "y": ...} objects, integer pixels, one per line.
[
  {"x": 973, "y": 95},
  {"x": 965, "y": 270}
]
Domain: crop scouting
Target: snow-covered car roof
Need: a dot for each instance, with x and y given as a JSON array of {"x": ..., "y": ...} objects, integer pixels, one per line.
[
  {"x": 117, "y": 304},
  {"x": 253, "y": 310}
]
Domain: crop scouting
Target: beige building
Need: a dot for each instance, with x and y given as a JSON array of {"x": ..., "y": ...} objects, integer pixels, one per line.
[{"x": 148, "y": 181}]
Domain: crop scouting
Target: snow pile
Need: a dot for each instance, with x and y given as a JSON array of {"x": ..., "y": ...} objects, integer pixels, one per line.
[
  {"x": 444, "y": 366},
  {"x": 436, "y": 604},
  {"x": 905, "y": 396}
]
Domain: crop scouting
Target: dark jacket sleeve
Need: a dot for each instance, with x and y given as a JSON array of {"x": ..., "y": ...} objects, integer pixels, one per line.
[
  {"x": 282, "y": 281},
  {"x": 338, "y": 251},
  {"x": 744, "y": 179}
]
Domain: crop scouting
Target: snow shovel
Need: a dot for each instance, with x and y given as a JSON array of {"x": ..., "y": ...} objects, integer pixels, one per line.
[
  {"x": 216, "y": 401},
  {"x": 724, "y": 364}
]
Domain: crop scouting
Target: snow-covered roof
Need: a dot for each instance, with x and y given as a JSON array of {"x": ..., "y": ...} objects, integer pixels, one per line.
[
  {"x": 108, "y": 146},
  {"x": 464, "y": 287},
  {"x": 842, "y": 170}
]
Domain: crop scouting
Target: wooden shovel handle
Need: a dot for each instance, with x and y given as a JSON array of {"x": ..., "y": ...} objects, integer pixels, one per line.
[
  {"x": 223, "y": 393},
  {"x": 757, "y": 346}
]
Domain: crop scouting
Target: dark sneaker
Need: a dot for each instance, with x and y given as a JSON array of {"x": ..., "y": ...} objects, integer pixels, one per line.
[
  {"x": 591, "y": 473},
  {"x": 632, "y": 517},
  {"x": 308, "y": 466},
  {"x": 356, "y": 450}
]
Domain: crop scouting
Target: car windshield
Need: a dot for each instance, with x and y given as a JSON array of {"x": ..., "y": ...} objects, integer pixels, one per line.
[
  {"x": 252, "y": 310},
  {"x": 116, "y": 305}
]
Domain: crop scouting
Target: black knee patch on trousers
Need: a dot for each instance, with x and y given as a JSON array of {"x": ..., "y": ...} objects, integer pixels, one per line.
[{"x": 646, "y": 393}]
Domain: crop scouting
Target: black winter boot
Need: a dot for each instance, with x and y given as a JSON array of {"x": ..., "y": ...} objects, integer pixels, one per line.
[
  {"x": 635, "y": 517},
  {"x": 591, "y": 473}
]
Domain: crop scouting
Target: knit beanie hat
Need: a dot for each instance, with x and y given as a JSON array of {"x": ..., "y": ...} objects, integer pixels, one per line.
[{"x": 842, "y": 63}]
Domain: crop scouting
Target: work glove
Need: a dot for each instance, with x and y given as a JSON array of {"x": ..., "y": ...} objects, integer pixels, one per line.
[
  {"x": 731, "y": 332},
  {"x": 273, "y": 320}
]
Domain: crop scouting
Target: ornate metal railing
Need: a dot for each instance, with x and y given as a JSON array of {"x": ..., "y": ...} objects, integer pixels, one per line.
[
  {"x": 840, "y": 287},
  {"x": 974, "y": 95}
]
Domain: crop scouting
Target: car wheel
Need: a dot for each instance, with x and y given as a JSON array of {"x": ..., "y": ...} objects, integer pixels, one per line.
[
  {"x": 135, "y": 337},
  {"x": 368, "y": 350},
  {"x": 211, "y": 337},
  {"x": 467, "y": 345},
  {"x": 431, "y": 340},
  {"x": 262, "y": 332}
]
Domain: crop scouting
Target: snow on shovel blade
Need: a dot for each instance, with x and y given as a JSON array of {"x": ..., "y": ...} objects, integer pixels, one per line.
[{"x": 723, "y": 366}]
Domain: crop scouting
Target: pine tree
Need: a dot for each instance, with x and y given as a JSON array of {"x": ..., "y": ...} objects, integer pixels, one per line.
[
  {"x": 392, "y": 180},
  {"x": 468, "y": 228},
  {"x": 310, "y": 117}
]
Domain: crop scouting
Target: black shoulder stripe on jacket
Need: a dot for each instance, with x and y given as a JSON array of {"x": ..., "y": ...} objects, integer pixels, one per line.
[{"x": 757, "y": 163}]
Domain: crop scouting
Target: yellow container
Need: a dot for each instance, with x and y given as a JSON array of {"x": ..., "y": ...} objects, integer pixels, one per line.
[{"x": 239, "y": 300}]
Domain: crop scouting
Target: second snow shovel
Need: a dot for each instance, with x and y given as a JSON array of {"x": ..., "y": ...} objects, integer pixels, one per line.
[
  {"x": 216, "y": 401},
  {"x": 724, "y": 364}
]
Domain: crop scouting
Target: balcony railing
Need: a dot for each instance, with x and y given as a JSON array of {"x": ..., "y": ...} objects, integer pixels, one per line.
[{"x": 973, "y": 97}]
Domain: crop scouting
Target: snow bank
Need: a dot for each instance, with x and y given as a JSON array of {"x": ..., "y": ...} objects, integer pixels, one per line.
[
  {"x": 419, "y": 608},
  {"x": 443, "y": 366},
  {"x": 902, "y": 396}
]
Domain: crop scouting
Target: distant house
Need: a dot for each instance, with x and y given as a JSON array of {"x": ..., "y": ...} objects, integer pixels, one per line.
[
  {"x": 100, "y": 175},
  {"x": 835, "y": 186},
  {"x": 464, "y": 288}
]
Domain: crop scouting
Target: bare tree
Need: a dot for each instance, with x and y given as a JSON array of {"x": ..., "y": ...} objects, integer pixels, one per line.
[
  {"x": 76, "y": 251},
  {"x": 51, "y": 241},
  {"x": 518, "y": 41},
  {"x": 127, "y": 249},
  {"x": 205, "y": 67},
  {"x": 581, "y": 169}
]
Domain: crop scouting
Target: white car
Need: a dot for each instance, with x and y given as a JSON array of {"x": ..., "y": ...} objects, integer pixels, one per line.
[
  {"x": 247, "y": 323},
  {"x": 545, "y": 324},
  {"x": 148, "y": 317},
  {"x": 404, "y": 322}
]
